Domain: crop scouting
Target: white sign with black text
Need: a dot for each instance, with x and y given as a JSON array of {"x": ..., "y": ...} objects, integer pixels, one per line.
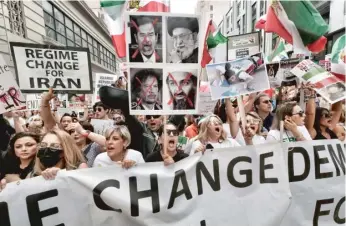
[
  {"x": 267, "y": 185},
  {"x": 11, "y": 98},
  {"x": 39, "y": 67}
]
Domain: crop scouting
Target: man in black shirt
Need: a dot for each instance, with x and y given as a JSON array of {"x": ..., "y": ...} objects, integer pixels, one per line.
[{"x": 173, "y": 154}]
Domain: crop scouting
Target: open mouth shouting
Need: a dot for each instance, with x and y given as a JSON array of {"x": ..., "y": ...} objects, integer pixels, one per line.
[{"x": 172, "y": 144}]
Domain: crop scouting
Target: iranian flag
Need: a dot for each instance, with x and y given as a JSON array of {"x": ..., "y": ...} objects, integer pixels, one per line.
[
  {"x": 213, "y": 38},
  {"x": 338, "y": 58},
  {"x": 153, "y": 6},
  {"x": 114, "y": 19},
  {"x": 279, "y": 52},
  {"x": 297, "y": 22}
]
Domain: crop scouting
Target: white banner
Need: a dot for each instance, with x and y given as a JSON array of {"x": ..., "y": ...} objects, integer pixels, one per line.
[
  {"x": 39, "y": 67},
  {"x": 102, "y": 79},
  {"x": 11, "y": 97},
  {"x": 243, "y": 186},
  {"x": 244, "y": 45}
]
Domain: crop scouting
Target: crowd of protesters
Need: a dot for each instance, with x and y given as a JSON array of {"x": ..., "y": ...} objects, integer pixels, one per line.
[{"x": 40, "y": 143}]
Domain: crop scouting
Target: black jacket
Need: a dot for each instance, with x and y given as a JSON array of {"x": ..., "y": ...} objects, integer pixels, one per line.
[
  {"x": 142, "y": 138},
  {"x": 193, "y": 58}
]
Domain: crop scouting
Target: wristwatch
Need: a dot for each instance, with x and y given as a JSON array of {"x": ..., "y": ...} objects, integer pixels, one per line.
[{"x": 86, "y": 133}]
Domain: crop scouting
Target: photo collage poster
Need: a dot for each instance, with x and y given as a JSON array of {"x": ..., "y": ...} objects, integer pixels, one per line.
[
  {"x": 163, "y": 56},
  {"x": 238, "y": 77}
]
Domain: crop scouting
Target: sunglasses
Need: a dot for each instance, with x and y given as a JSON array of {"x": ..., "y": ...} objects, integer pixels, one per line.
[
  {"x": 267, "y": 101},
  {"x": 326, "y": 115},
  {"x": 99, "y": 109},
  {"x": 174, "y": 132},
  {"x": 196, "y": 116},
  {"x": 152, "y": 116},
  {"x": 301, "y": 113}
]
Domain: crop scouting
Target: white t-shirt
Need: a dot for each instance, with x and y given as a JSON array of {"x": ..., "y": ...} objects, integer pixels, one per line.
[
  {"x": 104, "y": 160},
  {"x": 257, "y": 139},
  {"x": 274, "y": 135},
  {"x": 228, "y": 143}
]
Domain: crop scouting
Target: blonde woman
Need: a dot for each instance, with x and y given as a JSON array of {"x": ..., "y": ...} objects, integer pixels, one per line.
[
  {"x": 212, "y": 135},
  {"x": 57, "y": 151},
  {"x": 117, "y": 142}
]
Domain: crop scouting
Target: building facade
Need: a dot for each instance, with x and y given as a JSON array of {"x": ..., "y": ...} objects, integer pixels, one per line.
[
  {"x": 242, "y": 16},
  {"x": 59, "y": 23}
]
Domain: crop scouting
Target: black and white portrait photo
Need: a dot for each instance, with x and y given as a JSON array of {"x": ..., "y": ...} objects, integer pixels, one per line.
[
  {"x": 182, "y": 40},
  {"x": 146, "y": 89},
  {"x": 334, "y": 92},
  {"x": 146, "y": 39},
  {"x": 181, "y": 90}
]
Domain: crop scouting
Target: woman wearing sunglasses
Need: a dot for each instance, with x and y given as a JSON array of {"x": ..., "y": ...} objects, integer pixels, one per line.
[
  {"x": 320, "y": 122},
  {"x": 293, "y": 118},
  {"x": 117, "y": 142},
  {"x": 56, "y": 151},
  {"x": 20, "y": 159},
  {"x": 170, "y": 142},
  {"x": 212, "y": 135}
]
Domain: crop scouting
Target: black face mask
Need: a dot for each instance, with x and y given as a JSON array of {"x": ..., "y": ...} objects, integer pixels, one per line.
[{"x": 49, "y": 157}]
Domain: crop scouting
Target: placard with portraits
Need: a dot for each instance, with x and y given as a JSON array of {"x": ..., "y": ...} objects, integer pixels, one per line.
[{"x": 163, "y": 56}]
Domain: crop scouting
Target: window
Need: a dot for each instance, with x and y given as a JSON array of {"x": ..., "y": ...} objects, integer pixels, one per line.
[
  {"x": 253, "y": 16},
  {"x": 16, "y": 17},
  {"x": 261, "y": 7},
  {"x": 211, "y": 7},
  {"x": 238, "y": 8},
  {"x": 238, "y": 26},
  {"x": 227, "y": 22},
  {"x": 244, "y": 24},
  {"x": 62, "y": 29},
  {"x": 211, "y": 16}
]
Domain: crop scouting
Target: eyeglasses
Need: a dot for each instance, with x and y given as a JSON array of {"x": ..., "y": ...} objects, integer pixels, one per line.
[
  {"x": 51, "y": 145},
  {"x": 99, "y": 109},
  {"x": 173, "y": 132},
  {"x": 42, "y": 151},
  {"x": 253, "y": 121},
  {"x": 183, "y": 37},
  {"x": 326, "y": 115},
  {"x": 152, "y": 116},
  {"x": 301, "y": 113},
  {"x": 196, "y": 116},
  {"x": 267, "y": 101}
]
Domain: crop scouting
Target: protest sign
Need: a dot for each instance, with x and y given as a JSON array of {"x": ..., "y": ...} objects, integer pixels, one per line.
[
  {"x": 240, "y": 46},
  {"x": 101, "y": 126},
  {"x": 76, "y": 100},
  {"x": 33, "y": 102},
  {"x": 39, "y": 67},
  {"x": 11, "y": 98},
  {"x": 102, "y": 79},
  {"x": 268, "y": 185},
  {"x": 156, "y": 62},
  {"x": 326, "y": 84},
  {"x": 206, "y": 104},
  {"x": 317, "y": 183},
  {"x": 237, "y": 77}
]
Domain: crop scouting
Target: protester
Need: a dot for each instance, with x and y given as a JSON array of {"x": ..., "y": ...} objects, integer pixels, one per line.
[
  {"x": 191, "y": 131},
  {"x": 117, "y": 151},
  {"x": 293, "y": 119},
  {"x": 80, "y": 133},
  {"x": 101, "y": 111},
  {"x": 169, "y": 153},
  {"x": 212, "y": 135},
  {"x": 20, "y": 158}
]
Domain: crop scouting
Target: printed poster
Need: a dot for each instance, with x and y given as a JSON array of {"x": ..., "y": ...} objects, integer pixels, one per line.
[
  {"x": 163, "y": 63},
  {"x": 238, "y": 77},
  {"x": 11, "y": 97},
  {"x": 244, "y": 45},
  {"x": 39, "y": 67},
  {"x": 327, "y": 85},
  {"x": 102, "y": 79}
]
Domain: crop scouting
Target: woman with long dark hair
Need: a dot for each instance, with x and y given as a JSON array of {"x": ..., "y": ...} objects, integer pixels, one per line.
[{"x": 19, "y": 160}]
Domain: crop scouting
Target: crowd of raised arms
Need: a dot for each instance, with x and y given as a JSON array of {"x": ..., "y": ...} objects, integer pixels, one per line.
[{"x": 40, "y": 143}]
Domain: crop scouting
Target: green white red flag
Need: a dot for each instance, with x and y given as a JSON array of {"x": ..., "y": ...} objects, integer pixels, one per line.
[
  {"x": 297, "y": 22},
  {"x": 279, "y": 52},
  {"x": 338, "y": 58}
]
